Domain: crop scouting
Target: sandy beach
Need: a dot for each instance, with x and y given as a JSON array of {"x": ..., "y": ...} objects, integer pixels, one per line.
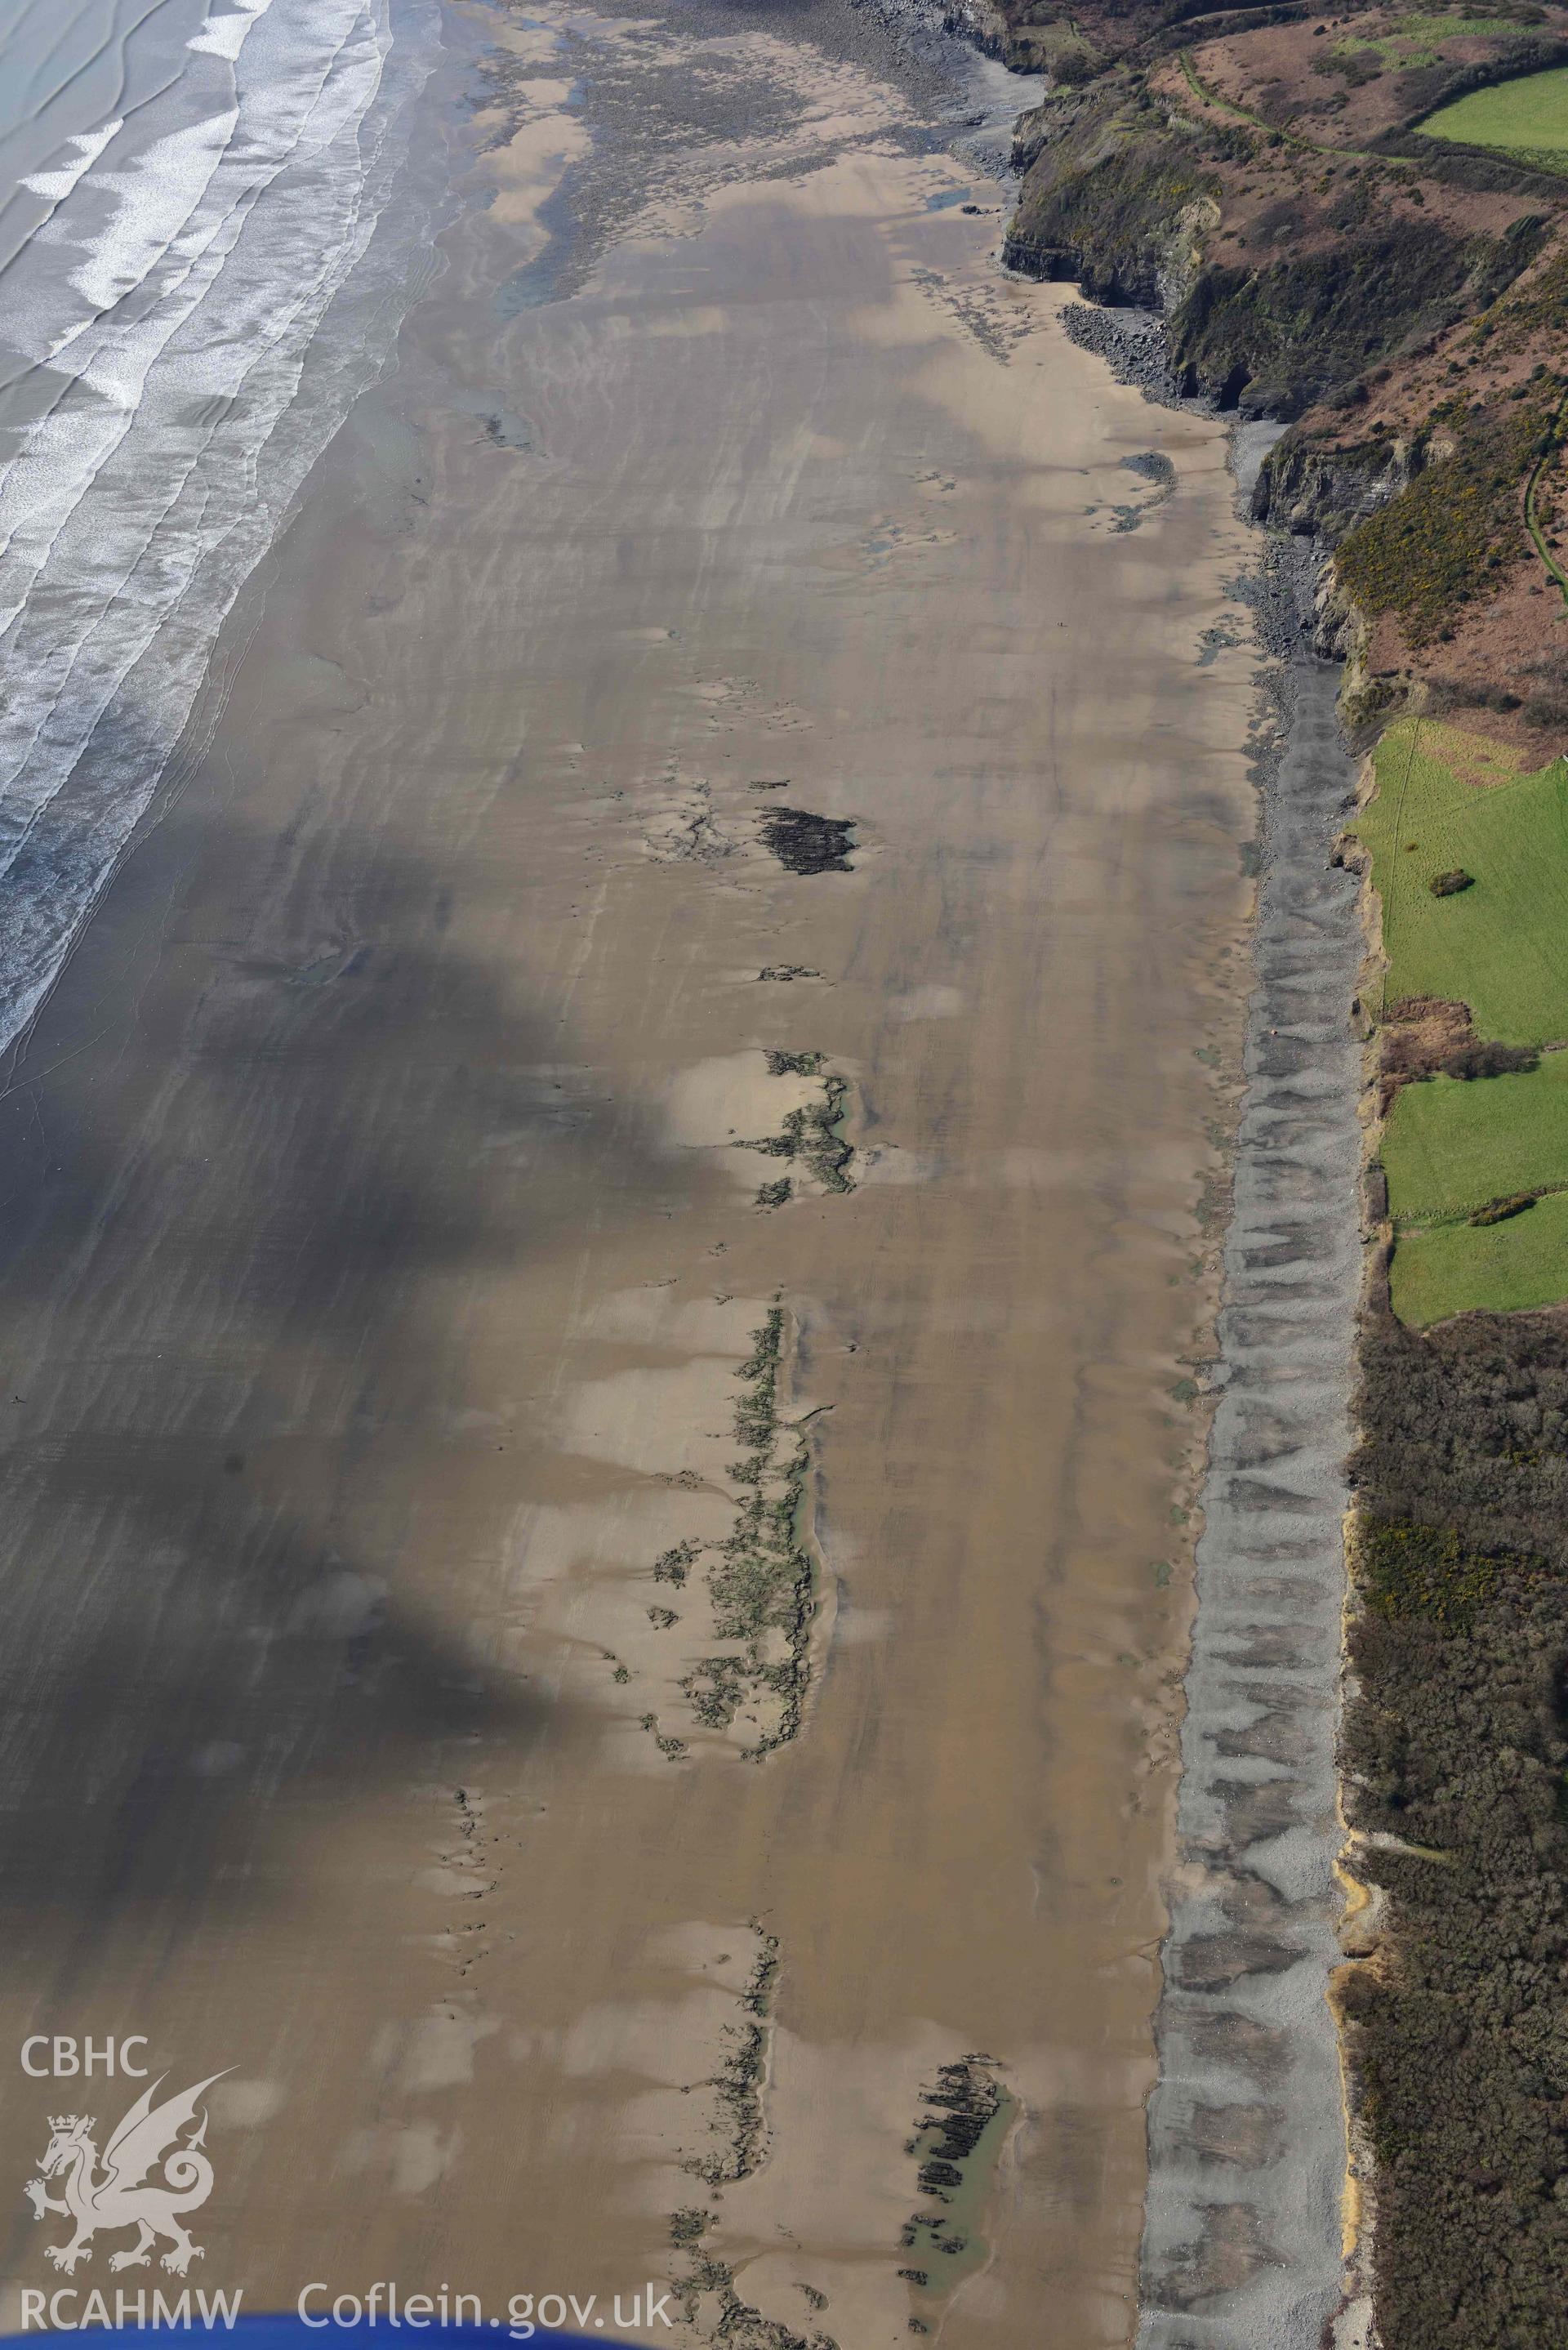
[{"x": 602, "y": 1428}]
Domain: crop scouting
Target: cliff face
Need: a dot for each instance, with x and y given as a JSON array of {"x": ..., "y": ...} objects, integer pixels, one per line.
[
  {"x": 1131, "y": 198},
  {"x": 1321, "y": 492},
  {"x": 1276, "y": 340},
  {"x": 1312, "y": 255},
  {"x": 1113, "y": 201},
  {"x": 1316, "y": 490}
]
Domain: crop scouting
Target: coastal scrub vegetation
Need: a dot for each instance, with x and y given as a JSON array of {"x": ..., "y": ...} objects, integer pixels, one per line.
[
  {"x": 1455, "y": 1764},
  {"x": 1468, "y": 1427},
  {"x": 1454, "y": 1757},
  {"x": 1445, "y": 540},
  {"x": 1498, "y": 1211}
]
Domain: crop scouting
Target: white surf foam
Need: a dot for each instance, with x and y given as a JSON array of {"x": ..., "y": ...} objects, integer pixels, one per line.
[{"x": 185, "y": 320}]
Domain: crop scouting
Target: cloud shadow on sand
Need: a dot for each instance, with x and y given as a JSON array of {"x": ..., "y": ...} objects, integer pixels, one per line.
[{"x": 272, "y": 1117}]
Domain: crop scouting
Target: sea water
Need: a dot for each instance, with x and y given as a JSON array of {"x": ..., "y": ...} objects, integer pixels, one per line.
[{"x": 193, "y": 292}]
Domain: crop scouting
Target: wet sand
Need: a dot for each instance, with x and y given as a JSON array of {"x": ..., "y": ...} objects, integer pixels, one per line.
[{"x": 381, "y": 1272}]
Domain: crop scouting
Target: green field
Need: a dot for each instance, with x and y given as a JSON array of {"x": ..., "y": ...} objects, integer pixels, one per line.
[
  {"x": 1449, "y": 1146},
  {"x": 1415, "y": 38},
  {"x": 1446, "y": 797},
  {"x": 1502, "y": 947},
  {"x": 1527, "y": 117},
  {"x": 1456, "y": 1267}
]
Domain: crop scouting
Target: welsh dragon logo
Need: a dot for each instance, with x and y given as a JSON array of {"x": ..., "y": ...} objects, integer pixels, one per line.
[{"x": 122, "y": 2195}]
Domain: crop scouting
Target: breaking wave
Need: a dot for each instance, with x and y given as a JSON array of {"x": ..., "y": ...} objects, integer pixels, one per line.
[{"x": 189, "y": 304}]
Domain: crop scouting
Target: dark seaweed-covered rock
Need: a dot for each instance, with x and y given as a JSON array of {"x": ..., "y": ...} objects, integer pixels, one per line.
[
  {"x": 1152, "y": 465},
  {"x": 935, "y": 2176},
  {"x": 964, "y": 2102},
  {"x": 805, "y": 843},
  {"x": 1447, "y": 539},
  {"x": 966, "y": 2099}
]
